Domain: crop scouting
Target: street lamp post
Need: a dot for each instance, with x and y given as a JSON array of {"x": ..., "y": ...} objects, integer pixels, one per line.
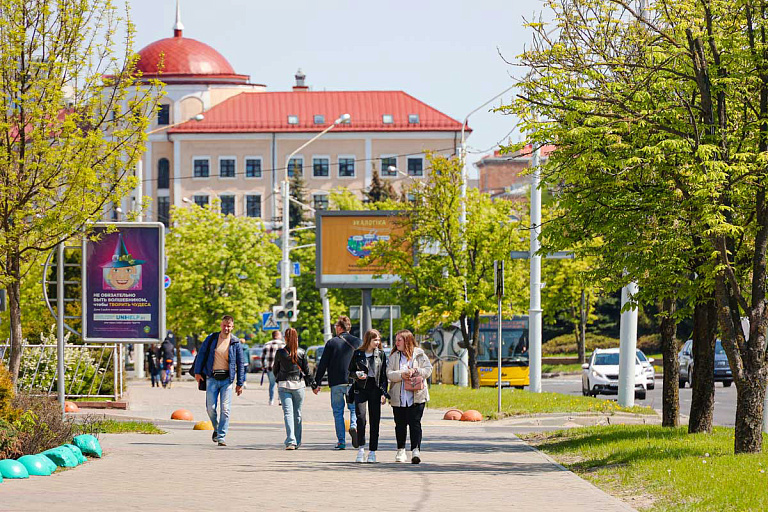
[{"x": 285, "y": 274}]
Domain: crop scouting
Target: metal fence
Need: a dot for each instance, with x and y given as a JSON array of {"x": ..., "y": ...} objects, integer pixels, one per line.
[{"x": 90, "y": 371}]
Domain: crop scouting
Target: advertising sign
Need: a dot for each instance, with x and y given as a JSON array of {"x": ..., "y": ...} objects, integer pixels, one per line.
[
  {"x": 346, "y": 237},
  {"x": 123, "y": 283}
]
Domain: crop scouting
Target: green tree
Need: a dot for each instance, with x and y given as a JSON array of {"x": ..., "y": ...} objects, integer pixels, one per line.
[
  {"x": 661, "y": 124},
  {"x": 448, "y": 266},
  {"x": 380, "y": 190},
  {"x": 296, "y": 214},
  {"x": 219, "y": 264},
  {"x": 72, "y": 126}
]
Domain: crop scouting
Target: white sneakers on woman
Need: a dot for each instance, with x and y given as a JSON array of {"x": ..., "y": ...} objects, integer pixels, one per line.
[
  {"x": 401, "y": 457},
  {"x": 371, "y": 456},
  {"x": 415, "y": 456},
  {"x": 360, "y": 455}
]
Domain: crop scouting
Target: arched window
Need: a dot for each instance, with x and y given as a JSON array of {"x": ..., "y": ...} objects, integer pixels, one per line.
[{"x": 163, "y": 172}]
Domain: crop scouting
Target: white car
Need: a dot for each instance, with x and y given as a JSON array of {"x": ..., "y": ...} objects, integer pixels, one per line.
[
  {"x": 650, "y": 371},
  {"x": 601, "y": 374}
]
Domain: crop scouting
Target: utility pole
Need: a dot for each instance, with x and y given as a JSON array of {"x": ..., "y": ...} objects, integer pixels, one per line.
[{"x": 534, "y": 310}]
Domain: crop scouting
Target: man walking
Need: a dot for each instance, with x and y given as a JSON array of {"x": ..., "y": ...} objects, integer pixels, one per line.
[
  {"x": 166, "y": 360},
  {"x": 268, "y": 360},
  {"x": 221, "y": 363},
  {"x": 335, "y": 359}
]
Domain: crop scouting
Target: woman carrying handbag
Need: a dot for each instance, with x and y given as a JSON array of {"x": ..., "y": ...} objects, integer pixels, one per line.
[
  {"x": 408, "y": 371},
  {"x": 292, "y": 375}
]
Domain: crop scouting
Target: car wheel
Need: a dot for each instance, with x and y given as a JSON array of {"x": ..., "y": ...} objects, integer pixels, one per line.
[
  {"x": 690, "y": 377},
  {"x": 681, "y": 383},
  {"x": 651, "y": 386},
  {"x": 727, "y": 383},
  {"x": 640, "y": 395}
]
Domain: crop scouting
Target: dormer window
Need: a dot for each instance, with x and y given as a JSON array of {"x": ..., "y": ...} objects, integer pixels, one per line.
[
  {"x": 413, "y": 118},
  {"x": 293, "y": 120},
  {"x": 319, "y": 119},
  {"x": 387, "y": 119}
]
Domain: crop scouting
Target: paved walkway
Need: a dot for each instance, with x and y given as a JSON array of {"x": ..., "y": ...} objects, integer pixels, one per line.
[{"x": 482, "y": 466}]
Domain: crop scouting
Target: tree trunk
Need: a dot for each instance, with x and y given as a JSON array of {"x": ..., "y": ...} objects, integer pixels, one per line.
[
  {"x": 703, "y": 393},
  {"x": 14, "y": 313},
  {"x": 475, "y": 376},
  {"x": 670, "y": 416},
  {"x": 749, "y": 415},
  {"x": 582, "y": 337}
]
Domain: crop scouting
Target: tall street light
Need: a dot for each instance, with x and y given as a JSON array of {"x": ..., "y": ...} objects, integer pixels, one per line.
[{"x": 285, "y": 274}]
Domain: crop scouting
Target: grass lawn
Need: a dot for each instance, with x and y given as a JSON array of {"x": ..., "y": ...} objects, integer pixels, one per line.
[
  {"x": 663, "y": 469},
  {"x": 110, "y": 426},
  {"x": 519, "y": 402},
  {"x": 560, "y": 368}
]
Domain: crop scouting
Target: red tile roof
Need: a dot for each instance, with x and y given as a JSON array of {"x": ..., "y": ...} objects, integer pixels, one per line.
[{"x": 268, "y": 112}]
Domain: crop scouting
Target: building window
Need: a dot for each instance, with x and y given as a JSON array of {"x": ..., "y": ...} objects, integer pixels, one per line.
[
  {"x": 387, "y": 119},
  {"x": 413, "y": 118},
  {"x": 320, "y": 201},
  {"x": 347, "y": 167},
  {"x": 293, "y": 119},
  {"x": 227, "y": 205},
  {"x": 227, "y": 167},
  {"x": 253, "y": 206},
  {"x": 201, "y": 167},
  {"x": 253, "y": 167},
  {"x": 164, "y": 115},
  {"x": 164, "y": 210},
  {"x": 386, "y": 163},
  {"x": 163, "y": 173},
  {"x": 319, "y": 119},
  {"x": 296, "y": 166},
  {"x": 320, "y": 167},
  {"x": 201, "y": 200},
  {"x": 415, "y": 167}
]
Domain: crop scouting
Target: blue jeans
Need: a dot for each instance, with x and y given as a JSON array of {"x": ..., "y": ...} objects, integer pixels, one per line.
[
  {"x": 292, "y": 400},
  {"x": 337, "y": 405},
  {"x": 218, "y": 390},
  {"x": 272, "y": 385}
]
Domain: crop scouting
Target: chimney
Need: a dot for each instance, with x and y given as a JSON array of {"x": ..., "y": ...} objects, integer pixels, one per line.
[{"x": 300, "y": 81}]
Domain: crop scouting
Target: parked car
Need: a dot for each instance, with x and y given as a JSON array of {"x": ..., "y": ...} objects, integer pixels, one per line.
[
  {"x": 650, "y": 371},
  {"x": 601, "y": 374},
  {"x": 255, "y": 363},
  {"x": 187, "y": 360},
  {"x": 314, "y": 353},
  {"x": 722, "y": 369}
]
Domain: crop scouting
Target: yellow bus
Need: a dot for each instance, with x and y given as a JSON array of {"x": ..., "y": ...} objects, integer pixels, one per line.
[{"x": 514, "y": 352}]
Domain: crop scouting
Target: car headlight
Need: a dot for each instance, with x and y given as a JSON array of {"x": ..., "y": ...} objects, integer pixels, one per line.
[{"x": 597, "y": 374}]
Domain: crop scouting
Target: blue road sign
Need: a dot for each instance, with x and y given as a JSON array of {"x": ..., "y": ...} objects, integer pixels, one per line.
[
  {"x": 296, "y": 268},
  {"x": 167, "y": 282},
  {"x": 268, "y": 322}
]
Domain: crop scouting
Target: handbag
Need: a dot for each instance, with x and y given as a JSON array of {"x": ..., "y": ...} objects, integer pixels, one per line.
[{"x": 415, "y": 383}]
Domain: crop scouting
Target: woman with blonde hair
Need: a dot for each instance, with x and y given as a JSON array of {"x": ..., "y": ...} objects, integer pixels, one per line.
[
  {"x": 292, "y": 375},
  {"x": 408, "y": 371},
  {"x": 368, "y": 373}
]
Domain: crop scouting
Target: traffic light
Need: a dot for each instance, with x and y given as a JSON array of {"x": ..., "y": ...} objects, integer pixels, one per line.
[
  {"x": 278, "y": 313},
  {"x": 290, "y": 304}
]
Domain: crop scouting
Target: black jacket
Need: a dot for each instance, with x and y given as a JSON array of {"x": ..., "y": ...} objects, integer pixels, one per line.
[
  {"x": 166, "y": 351},
  {"x": 360, "y": 363},
  {"x": 285, "y": 369},
  {"x": 335, "y": 359}
]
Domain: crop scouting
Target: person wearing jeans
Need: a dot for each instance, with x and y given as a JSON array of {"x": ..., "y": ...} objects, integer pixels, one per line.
[
  {"x": 219, "y": 392},
  {"x": 292, "y": 374},
  {"x": 335, "y": 359}
]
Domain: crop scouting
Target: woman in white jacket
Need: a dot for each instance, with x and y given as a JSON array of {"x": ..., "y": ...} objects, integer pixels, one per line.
[{"x": 408, "y": 369}]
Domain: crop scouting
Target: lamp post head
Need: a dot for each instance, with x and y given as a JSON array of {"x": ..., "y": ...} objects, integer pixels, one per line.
[
  {"x": 199, "y": 117},
  {"x": 344, "y": 119},
  {"x": 186, "y": 200}
]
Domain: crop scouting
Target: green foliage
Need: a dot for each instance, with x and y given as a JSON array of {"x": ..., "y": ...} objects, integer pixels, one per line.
[
  {"x": 219, "y": 265},
  {"x": 7, "y": 393},
  {"x": 96, "y": 425},
  {"x": 380, "y": 190},
  {"x": 40, "y": 426},
  {"x": 297, "y": 216},
  {"x": 566, "y": 344},
  {"x": 342, "y": 198}
]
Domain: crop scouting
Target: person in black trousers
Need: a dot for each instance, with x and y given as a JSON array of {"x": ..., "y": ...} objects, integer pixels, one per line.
[
  {"x": 152, "y": 365},
  {"x": 368, "y": 373}
]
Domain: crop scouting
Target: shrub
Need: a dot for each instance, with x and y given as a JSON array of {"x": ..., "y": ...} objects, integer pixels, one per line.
[
  {"x": 650, "y": 343},
  {"x": 39, "y": 427},
  {"x": 566, "y": 344},
  {"x": 6, "y": 393}
]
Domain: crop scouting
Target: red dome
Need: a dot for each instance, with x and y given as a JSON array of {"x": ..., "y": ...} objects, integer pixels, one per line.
[{"x": 185, "y": 59}]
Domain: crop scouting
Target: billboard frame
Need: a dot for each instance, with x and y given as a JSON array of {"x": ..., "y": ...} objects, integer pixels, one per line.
[
  {"x": 319, "y": 277},
  {"x": 161, "y": 326}
]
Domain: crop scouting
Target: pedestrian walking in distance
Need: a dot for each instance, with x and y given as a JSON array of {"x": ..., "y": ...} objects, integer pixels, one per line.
[
  {"x": 153, "y": 365},
  {"x": 222, "y": 364},
  {"x": 293, "y": 376},
  {"x": 335, "y": 359},
  {"x": 166, "y": 360},
  {"x": 268, "y": 360},
  {"x": 368, "y": 374},
  {"x": 409, "y": 369}
]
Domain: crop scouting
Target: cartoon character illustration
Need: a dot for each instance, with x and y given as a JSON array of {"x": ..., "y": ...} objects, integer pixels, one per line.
[
  {"x": 123, "y": 272},
  {"x": 360, "y": 246}
]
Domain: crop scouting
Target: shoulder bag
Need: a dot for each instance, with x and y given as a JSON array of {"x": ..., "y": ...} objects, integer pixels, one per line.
[{"x": 414, "y": 383}]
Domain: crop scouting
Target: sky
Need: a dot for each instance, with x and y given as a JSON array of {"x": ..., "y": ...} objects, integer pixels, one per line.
[{"x": 449, "y": 54}]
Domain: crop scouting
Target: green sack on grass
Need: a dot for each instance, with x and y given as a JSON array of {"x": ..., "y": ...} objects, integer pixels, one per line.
[
  {"x": 10, "y": 468},
  {"x": 89, "y": 445},
  {"x": 61, "y": 456},
  {"x": 78, "y": 454},
  {"x": 37, "y": 465}
]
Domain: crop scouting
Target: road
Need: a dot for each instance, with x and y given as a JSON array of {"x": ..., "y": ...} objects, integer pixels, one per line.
[{"x": 725, "y": 398}]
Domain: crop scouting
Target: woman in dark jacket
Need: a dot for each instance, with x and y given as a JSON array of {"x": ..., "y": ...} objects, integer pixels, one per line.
[
  {"x": 368, "y": 373},
  {"x": 292, "y": 375}
]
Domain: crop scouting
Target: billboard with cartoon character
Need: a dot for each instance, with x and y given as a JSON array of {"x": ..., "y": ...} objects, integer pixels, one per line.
[{"x": 123, "y": 272}]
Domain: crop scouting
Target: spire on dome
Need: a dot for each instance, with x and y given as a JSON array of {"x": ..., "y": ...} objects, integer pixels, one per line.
[{"x": 179, "y": 26}]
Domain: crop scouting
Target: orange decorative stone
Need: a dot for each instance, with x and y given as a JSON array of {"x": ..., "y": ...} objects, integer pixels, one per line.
[
  {"x": 453, "y": 414},
  {"x": 71, "y": 407},
  {"x": 203, "y": 425},
  {"x": 472, "y": 415},
  {"x": 182, "y": 414}
]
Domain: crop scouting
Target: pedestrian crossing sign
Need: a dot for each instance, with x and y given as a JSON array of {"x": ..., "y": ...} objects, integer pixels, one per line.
[{"x": 268, "y": 322}]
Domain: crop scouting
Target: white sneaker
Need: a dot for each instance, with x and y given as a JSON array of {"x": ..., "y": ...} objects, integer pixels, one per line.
[
  {"x": 271, "y": 402},
  {"x": 401, "y": 457},
  {"x": 415, "y": 456},
  {"x": 360, "y": 455},
  {"x": 371, "y": 456}
]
